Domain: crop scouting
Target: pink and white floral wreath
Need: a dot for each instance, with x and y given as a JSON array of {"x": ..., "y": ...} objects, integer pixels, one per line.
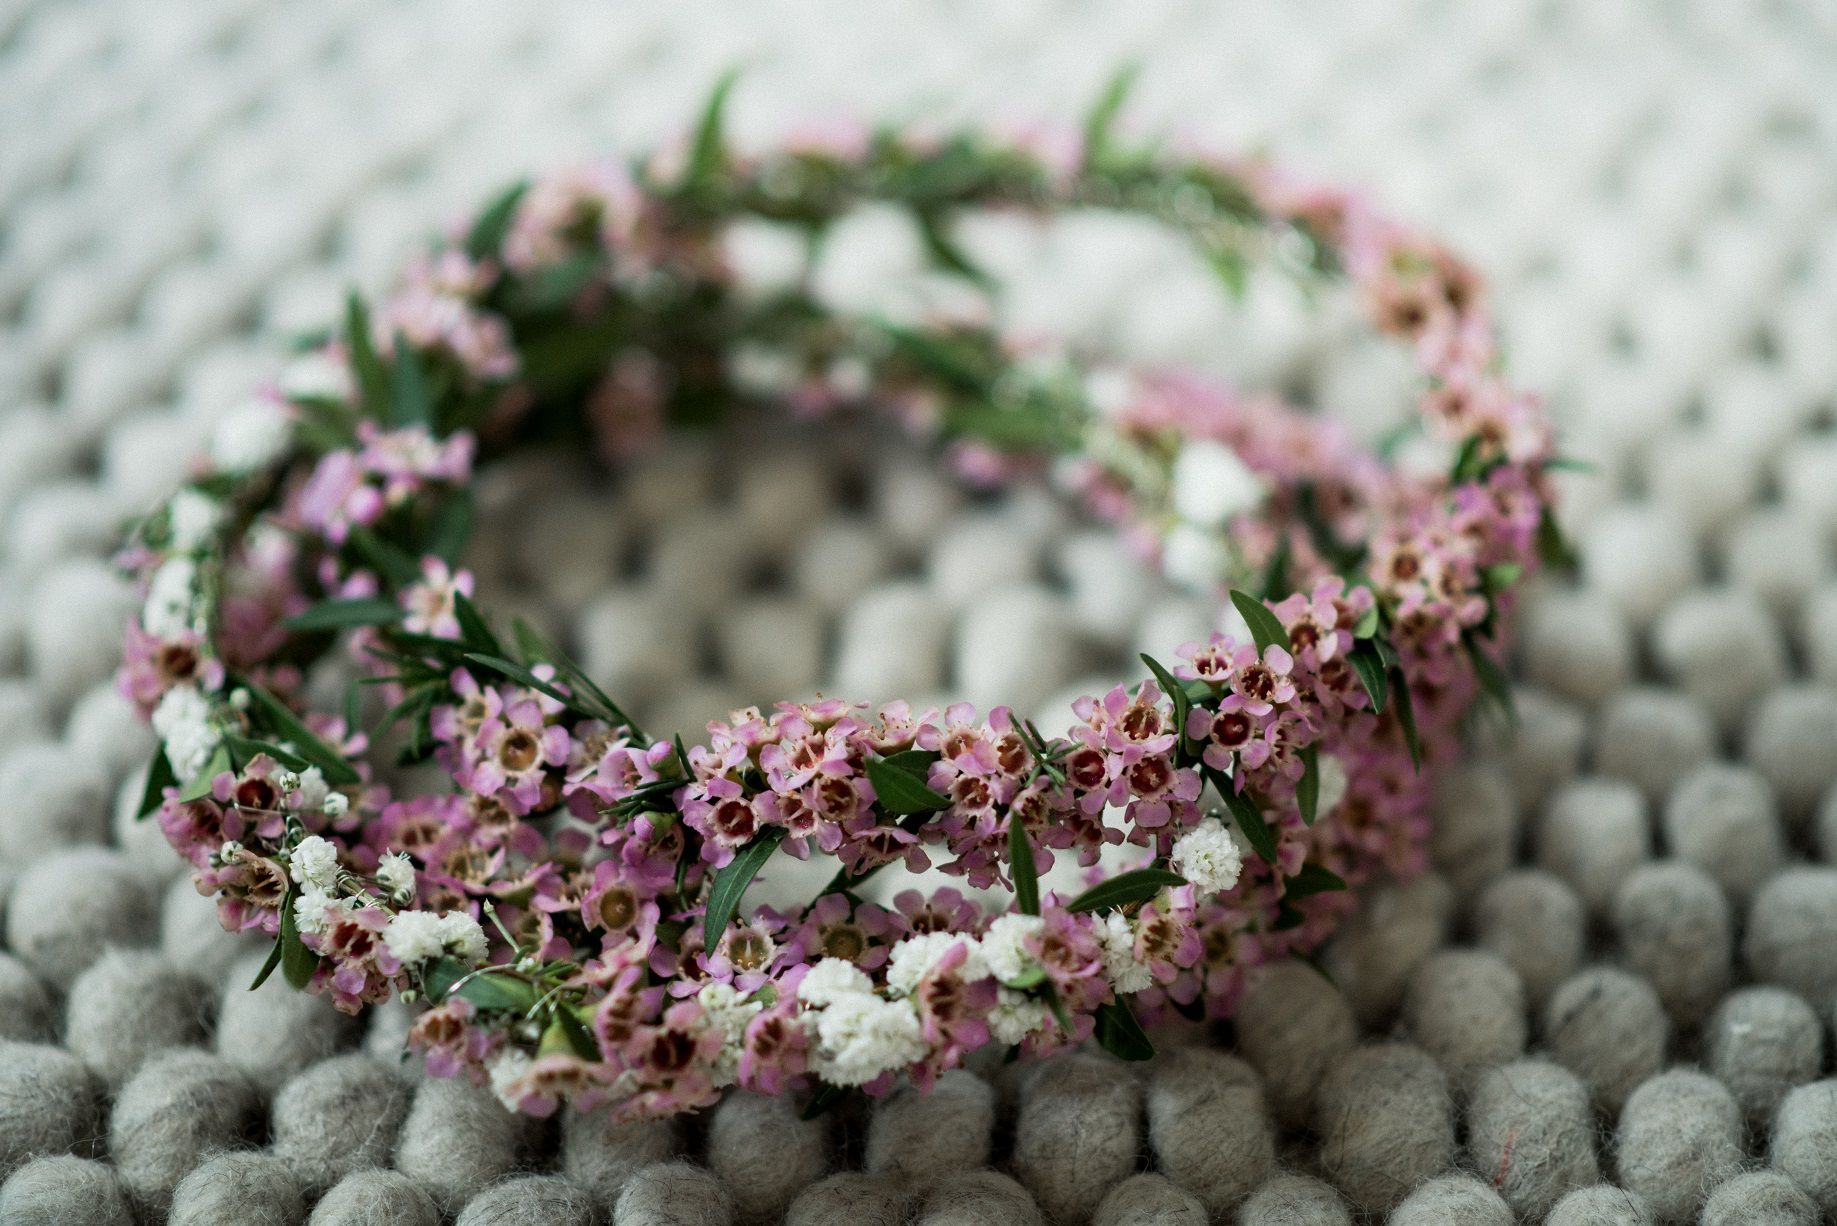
[{"x": 569, "y": 916}]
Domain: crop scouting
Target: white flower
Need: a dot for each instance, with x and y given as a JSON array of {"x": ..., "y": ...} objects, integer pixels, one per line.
[
  {"x": 312, "y": 789},
  {"x": 728, "y": 1011},
  {"x": 1015, "y": 1016},
  {"x": 314, "y": 863},
  {"x": 413, "y": 936},
  {"x": 831, "y": 980},
  {"x": 860, "y": 1037},
  {"x": 1332, "y": 784},
  {"x": 913, "y": 958},
  {"x": 1208, "y": 857},
  {"x": 1211, "y": 484},
  {"x": 193, "y": 516},
  {"x": 172, "y": 595},
  {"x": 312, "y": 910},
  {"x": 316, "y": 374},
  {"x": 335, "y": 804},
  {"x": 183, "y": 722},
  {"x": 506, "y": 1070},
  {"x": 1003, "y": 948},
  {"x": 1120, "y": 966},
  {"x": 250, "y": 436},
  {"x": 395, "y": 872},
  {"x": 1194, "y": 558},
  {"x": 1110, "y": 389},
  {"x": 461, "y": 936}
]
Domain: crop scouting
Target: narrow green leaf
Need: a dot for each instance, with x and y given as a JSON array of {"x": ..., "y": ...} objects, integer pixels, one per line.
[
  {"x": 451, "y": 529},
  {"x": 1307, "y": 791},
  {"x": 1265, "y": 628},
  {"x": 1493, "y": 681},
  {"x": 474, "y": 631},
  {"x": 535, "y": 646},
  {"x": 1125, "y": 888},
  {"x": 823, "y": 1101},
  {"x": 1120, "y": 1034},
  {"x": 199, "y": 787},
  {"x": 899, "y": 786},
  {"x": 1370, "y": 668},
  {"x": 1406, "y": 717},
  {"x": 297, "y": 962},
  {"x": 387, "y": 558},
  {"x": 1020, "y": 867},
  {"x": 159, "y": 778},
  {"x": 343, "y": 614},
  {"x": 1250, "y": 819},
  {"x": 731, "y": 882},
  {"x": 489, "y": 989},
  {"x": 289, "y": 728},
  {"x": 1312, "y": 879},
  {"x": 487, "y": 234},
  {"x": 248, "y": 748},
  {"x": 372, "y": 380},
  {"x": 1101, "y": 121},
  {"x": 1367, "y": 624},
  {"x": 1552, "y": 546},
  {"x": 1573, "y": 464},
  {"x": 580, "y": 1039},
  {"x": 410, "y": 401},
  {"x": 708, "y": 152},
  {"x": 516, "y": 672},
  {"x": 1500, "y": 577},
  {"x": 944, "y": 251},
  {"x": 274, "y": 957},
  {"x": 1176, "y": 694}
]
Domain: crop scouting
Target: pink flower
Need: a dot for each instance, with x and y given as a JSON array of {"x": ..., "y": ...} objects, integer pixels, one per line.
[{"x": 431, "y": 603}]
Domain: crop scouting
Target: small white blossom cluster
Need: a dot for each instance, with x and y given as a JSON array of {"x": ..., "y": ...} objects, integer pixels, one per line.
[
  {"x": 728, "y": 1011},
  {"x": 172, "y": 598},
  {"x": 192, "y": 518},
  {"x": 416, "y": 936},
  {"x": 183, "y": 722},
  {"x": 1126, "y": 973},
  {"x": 1208, "y": 857},
  {"x": 506, "y": 1070},
  {"x": 913, "y": 958},
  {"x": 313, "y": 910},
  {"x": 313, "y": 863},
  {"x": 250, "y": 436},
  {"x": 859, "y": 1035},
  {"x": 1003, "y": 945},
  {"x": 396, "y": 874}
]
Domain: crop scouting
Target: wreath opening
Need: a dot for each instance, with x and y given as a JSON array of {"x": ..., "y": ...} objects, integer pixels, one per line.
[{"x": 568, "y": 912}]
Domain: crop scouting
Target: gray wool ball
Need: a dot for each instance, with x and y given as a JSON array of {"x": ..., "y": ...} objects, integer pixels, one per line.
[
  {"x": 1804, "y": 1146},
  {"x": 1592, "y": 834},
  {"x": 1530, "y": 1130},
  {"x": 1535, "y": 922},
  {"x": 78, "y": 610},
  {"x": 1725, "y": 820},
  {"x": 106, "y": 728},
  {"x": 27, "y": 1014},
  {"x": 981, "y": 1198},
  {"x": 180, "y": 1107},
  {"x": 1672, "y": 927},
  {"x": 1608, "y": 1028},
  {"x": 457, "y": 1140},
  {"x": 190, "y": 934},
  {"x": 1149, "y": 1199},
  {"x": 850, "y": 1198},
  {"x": 1385, "y": 1121},
  {"x": 339, "y": 1116},
  {"x": 532, "y": 1200},
  {"x": 1208, "y": 1125},
  {"x": 764, "y": 1179},
  {"x": 130, "y": 1004},
  {"x": 1576, "y": 644},
  {"x": 376, "y": 1198},
  {"x": 1371, "y": 960},
  {"x": 56, "y": 797},
  {"x": 601, "y": 1154},
  {"x": 64, "y": 1191},
  {"x": 1602, "y": 1205},
  {"x": 1824, "y": 832},
  {"x": 67, "y": 908},
  {"x": 244, "y": 1187},
  {"x": 1295, "y": 1200},
  {"x": 273, "y": 1032},
  {"x": 1722, "y": 648},
  {"x": 1475, "y": 825},
  {"x": 1760, "y": 1043},
  {"x": 1680, "y": 1136},
  {"x": 1291, "y": 1023},
  {"x": 923, "y": 1135},
  {"x": 673, "y": 1194},
  {"x": 1792, "y": 929},
  {"x": 1453, "y": 1200},
  {"x": 1792, "y": 741},
  {"x": 1653, "y": 738},
  {"x": 1079, "y": 1133},
  {"x": 50, "y": 1103},
  {"x": 1544, "y": 749},
  {"x": 1465, "y": 1007},
  {"x": 1760, "y": 1198}
]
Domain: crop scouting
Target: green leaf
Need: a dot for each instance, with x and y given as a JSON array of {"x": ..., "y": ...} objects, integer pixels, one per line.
[
  {"x": 899, "y": 783},
  {"x": 1497, "y": 578},
  {"x": 1368, "y": 623},
  {"x": 343, "y": 614},
  {"x": 1020, "y": 867},
  {"x": 534, "y": 645},
  {"x": 1552, "y": 546},
  {"x": 1307, "y": 791},
  {"x": 487, "y": 234},
  {"x": 1573, "y": 464},
  {"x": 708, "y": 152},
  {"x": 1120, "y": 1034},
  {"x": 1176, "y": 694},
  {"x": 451, "y": 529},
  {"x": 1367, "y": 663},
  {"x": 1250, "y": 819},
  {"x": 274, "y": 956},
  {"x": 410, "y": 401},
  {"x": 297, "y": 962},
  {"x": 731, "y": 882},
  {"x": 569, "y": 1030},
  {"x": 1125, "y": 888},
  {"x": 1312, "y": 879},
  {"x": 823, "y": 1101},
  {"x": 516, "y": 672},
  {"x": 159, "y": 778},
  {"x": 247, "y": 748},
  {"x": 289, "y": 727},
  {"x": 474, "y": 631},
  {"x": 372, "y": 379},
  {"x": 1493, "y": 681},
  {"x": 199, "y": 787},
  {"x": 943, "y": 250},
  {"x": 1406, "y": 717},
  {"x": 1265, "y": 628},
  {"x": 488, "y": 989},
  {"x": 387, "y": 558},
  {"x": 1099, "y": 124}
]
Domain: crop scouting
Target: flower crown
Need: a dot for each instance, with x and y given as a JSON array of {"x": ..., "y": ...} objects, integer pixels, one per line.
[{"x": 569, "y": 915}]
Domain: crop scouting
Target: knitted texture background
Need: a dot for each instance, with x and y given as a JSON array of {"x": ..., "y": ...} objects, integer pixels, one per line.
[{"x": 1612, "y": 1001}]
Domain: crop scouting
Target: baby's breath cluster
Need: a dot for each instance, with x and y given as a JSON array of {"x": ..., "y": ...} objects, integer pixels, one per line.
[{"x": 570, "y": 914}]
